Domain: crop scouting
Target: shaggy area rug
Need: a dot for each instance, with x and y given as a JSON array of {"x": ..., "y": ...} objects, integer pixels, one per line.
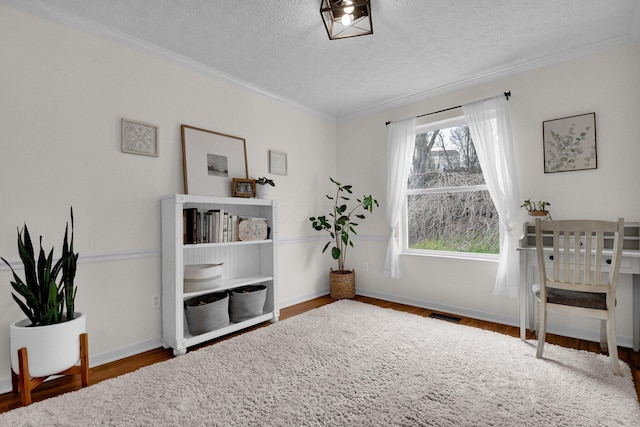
[{"x": 355, "y": 364}]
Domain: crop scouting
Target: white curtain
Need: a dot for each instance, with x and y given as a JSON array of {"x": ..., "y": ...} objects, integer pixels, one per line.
[
  {"x": 490, "y": 128},
  {"x": 400, "y": 144}
]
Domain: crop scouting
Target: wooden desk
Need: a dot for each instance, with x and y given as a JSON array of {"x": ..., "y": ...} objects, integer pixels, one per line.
[{"x": 630, "y": 264}]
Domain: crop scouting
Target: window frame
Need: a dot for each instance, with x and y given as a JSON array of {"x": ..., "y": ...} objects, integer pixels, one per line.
[{"x": 404, "y": 227}]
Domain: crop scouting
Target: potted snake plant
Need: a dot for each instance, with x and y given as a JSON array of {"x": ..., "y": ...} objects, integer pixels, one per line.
[
  {"x": 46, "y": 295},
  {"x": 340, "y": 225}
]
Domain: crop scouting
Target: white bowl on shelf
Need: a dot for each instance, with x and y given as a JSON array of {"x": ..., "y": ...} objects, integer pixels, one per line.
[{"x": 199, "y": 277}]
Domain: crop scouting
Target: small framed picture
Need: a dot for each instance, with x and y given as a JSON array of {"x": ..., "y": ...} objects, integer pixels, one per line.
[
  {"x": 277, "y": 162},
  {"x": 570, "y": 143},
  {"x": 139, "y": 138},
  {"x": 241, "y": 187}
]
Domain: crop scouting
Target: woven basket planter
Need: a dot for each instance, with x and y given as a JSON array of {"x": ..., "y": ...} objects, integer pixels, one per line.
[
  {"x": 247, "y": 302},
  {"x": 342, "y": 284},
  {"x": 207, "y": 312}
]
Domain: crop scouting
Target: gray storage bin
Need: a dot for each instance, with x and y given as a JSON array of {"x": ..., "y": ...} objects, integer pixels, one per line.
[
  {"x": 247, "y": 302},
  {"x": 207, "y": 312}
]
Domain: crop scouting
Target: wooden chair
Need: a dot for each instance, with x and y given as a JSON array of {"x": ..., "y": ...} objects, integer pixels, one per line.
[{"x": 585, "y": 264}]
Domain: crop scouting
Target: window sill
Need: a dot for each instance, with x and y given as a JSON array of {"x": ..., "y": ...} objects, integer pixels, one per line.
[{"x": 454, "y": 255}]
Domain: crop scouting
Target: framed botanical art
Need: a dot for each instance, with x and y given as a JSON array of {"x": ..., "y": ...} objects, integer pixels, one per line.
[
  {"x": 570, "y": 143},
  {"x": 241, "y": 187},
  {"x": 210, "y": 160}
]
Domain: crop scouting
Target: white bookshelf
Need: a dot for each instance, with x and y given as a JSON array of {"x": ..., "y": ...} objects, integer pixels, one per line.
[{"x": 245, "y": 263}]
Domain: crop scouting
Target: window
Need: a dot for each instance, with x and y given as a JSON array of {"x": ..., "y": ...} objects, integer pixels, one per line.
[{"x": 448, "y": 207}]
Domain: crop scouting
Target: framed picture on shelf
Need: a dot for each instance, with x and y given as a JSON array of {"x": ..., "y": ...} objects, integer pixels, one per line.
[
  {"x": 570, "y": 143},
  {"x": 241, "y": 187},
  {"x": 139, "y": 138},
  {"x": 210, "y": 160},
  {"x": 277, "y": 162}
]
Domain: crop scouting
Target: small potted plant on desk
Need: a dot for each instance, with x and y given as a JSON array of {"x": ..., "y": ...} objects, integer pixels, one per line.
[
  {"x": 262, "y": 189},
  {"x": 50, "y": 341},
  {"x": 339, "y": 224},
  {"x": 537, "y": 208}
]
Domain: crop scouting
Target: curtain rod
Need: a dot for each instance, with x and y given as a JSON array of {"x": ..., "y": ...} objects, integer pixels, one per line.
[{"x": 506, "y": 94}]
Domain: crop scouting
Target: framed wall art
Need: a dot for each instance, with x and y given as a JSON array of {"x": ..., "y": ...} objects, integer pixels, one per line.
[
  {"x": 277, "y": 162},
  {"x": 241, "y": 187},
  {"x": 139, "y": 138},
  {"x": 570, "y": 143},
  {"x": 210, "y": 160}
]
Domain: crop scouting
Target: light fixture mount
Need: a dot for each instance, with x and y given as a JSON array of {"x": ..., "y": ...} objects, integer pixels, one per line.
[{"x": 346, "y": 18}]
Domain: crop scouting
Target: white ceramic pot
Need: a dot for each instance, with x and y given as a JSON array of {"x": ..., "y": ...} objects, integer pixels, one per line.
[
  {"x": 50, "y": 349},
  {"x": 262, "y": 191}
]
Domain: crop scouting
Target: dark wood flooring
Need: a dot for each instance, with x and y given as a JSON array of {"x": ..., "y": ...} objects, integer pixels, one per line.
[{"x": 62, "y": 385}]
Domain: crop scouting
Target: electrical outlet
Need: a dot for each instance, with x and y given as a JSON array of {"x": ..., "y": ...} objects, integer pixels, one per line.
[
  {"x": 155, "y": 301},
  {"x": 365, "y": 266}
]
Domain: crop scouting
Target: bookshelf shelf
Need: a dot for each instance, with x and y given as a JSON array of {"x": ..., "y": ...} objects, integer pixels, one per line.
[{"x": 250, "y": 262}]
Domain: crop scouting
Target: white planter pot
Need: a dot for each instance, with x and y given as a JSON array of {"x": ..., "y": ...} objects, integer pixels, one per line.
[
  {"x": 50, "y": 349},
  {"x": 262, "y": 191}
]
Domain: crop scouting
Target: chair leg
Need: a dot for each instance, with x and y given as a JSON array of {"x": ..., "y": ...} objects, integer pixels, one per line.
[
  {"x": 542, "y": 330},
  {"x": 613, "y": 344},
  {"x": 604, "y": 348}
]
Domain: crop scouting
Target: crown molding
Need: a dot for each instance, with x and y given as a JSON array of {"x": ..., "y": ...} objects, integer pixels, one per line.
[
  {"x": 54, "y": 14},
  {"x": 495, "y": 74}
]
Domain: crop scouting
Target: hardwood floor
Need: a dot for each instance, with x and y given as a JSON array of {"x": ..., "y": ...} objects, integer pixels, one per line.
[{"x": 62, "y": 385}]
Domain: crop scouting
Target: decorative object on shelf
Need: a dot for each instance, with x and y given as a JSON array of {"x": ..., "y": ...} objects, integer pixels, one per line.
[
  {"x": 536, "y": 208},
  {"x": 139, "y": 138},
  {"x": 339, "y": 225},
  {"x": 262, "y": 187},
  {"x": 53, "y": 337},
  {"x": 277, "y": 162},
  {"x": 241, "y": 187},
  {"x": 346, "y": 18},
  {"x": 252, "y": 229},
  {"x": 199, "y": 277},
  {"x": 570, "y": 143},
  {"x": 210, "y": 160},
  {"x": 208, "y": 312},
  {"x": 246, "y": 302}
]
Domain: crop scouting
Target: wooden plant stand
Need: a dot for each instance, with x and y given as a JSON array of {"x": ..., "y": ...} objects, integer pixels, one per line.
[{"x": 24, "y": 384}]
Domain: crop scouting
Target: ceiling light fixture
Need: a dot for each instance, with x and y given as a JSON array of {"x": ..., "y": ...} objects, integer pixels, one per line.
[{"x": 346, "y": 18}]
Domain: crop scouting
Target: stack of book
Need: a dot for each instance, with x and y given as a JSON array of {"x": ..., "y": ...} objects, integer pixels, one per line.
[{"x": 212, "y": 226}]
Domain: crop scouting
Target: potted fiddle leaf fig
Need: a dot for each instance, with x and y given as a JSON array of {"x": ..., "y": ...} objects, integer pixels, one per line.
[
  {"x": 340, "y": 224},
  {"x": 46, "y": 295}
]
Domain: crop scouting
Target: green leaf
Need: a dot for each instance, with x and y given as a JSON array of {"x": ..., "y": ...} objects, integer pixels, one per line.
[{"x": 335, "y": 253}]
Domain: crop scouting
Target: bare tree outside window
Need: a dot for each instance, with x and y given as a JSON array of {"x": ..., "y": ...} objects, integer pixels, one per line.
[{"x": 449, "y": 207}]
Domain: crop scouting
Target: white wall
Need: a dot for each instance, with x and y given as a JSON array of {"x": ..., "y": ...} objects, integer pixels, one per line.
[
  {"x": 605, "y": 83},
  {"x": 63, "y": 95}
]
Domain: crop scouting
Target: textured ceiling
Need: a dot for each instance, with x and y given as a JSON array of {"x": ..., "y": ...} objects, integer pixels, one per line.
[{"x": 418, "y": 46}]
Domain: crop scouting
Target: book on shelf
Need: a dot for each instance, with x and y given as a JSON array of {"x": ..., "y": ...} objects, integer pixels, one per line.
[
  {"x": 218, "y": 226},
  {"x": 190, "y": 221}
]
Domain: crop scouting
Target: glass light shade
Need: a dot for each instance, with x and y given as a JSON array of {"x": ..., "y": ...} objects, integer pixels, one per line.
[{"x": 338, "y": 26}]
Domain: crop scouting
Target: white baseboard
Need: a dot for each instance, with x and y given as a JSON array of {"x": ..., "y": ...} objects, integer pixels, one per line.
[
  {"x": 303, "y": 298},
  {"x": 450, "y": 309},
  {"x": 562, "y": 330}
]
